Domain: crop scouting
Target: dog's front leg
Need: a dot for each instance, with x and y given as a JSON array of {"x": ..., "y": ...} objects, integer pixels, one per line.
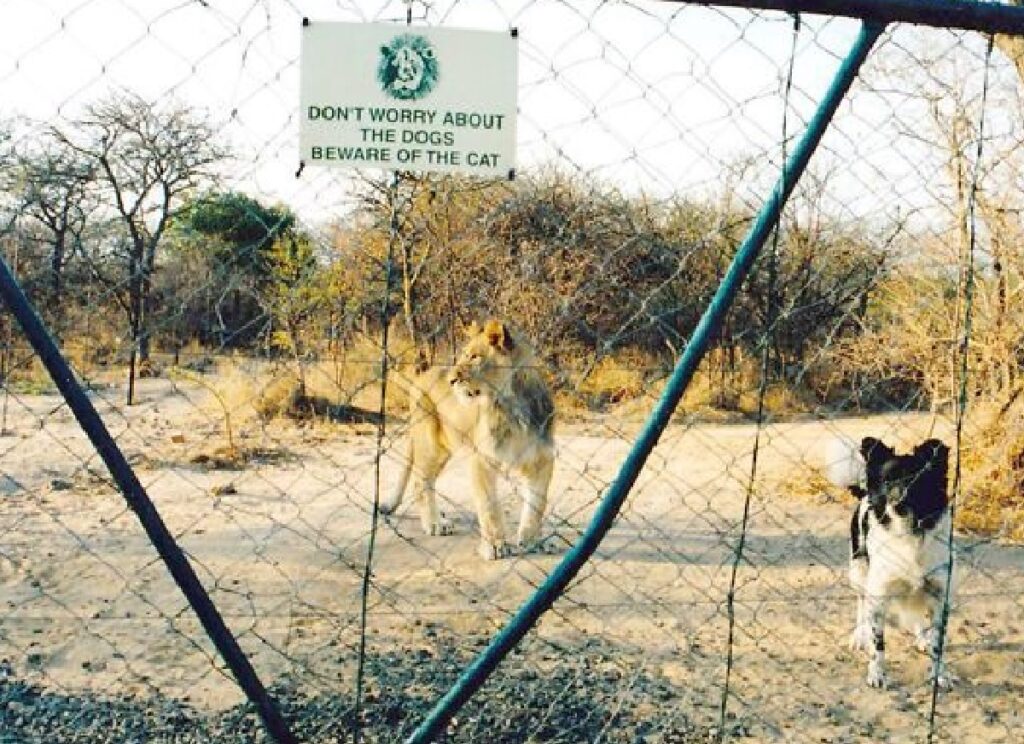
[
  {"x": 936, "y": 636},
  {"x": 875, "y": 609},
  {"x": 860, "y": 638}
]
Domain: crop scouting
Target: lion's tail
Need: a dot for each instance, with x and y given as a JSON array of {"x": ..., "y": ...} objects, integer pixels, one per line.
[{"x": 391, "y": 503}]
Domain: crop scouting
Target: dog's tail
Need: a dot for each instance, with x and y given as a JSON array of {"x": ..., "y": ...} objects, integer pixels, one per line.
[{"x": 844, "y": 464}]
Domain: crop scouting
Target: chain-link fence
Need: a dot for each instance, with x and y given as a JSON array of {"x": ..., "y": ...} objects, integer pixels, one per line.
[{"x": 252, "y": 340}]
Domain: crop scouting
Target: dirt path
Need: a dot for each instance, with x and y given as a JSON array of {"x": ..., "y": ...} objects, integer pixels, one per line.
[{"x": 282, "y": 542}]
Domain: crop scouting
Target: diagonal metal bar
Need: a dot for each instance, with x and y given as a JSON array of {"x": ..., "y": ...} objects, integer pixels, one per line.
[
  {"x": 969, "y": 15},
  {"x": 139, "y": 501},
  {"x": 476, "y": 674}
]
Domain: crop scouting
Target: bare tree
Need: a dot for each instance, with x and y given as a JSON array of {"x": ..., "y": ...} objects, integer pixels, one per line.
[
  {"x": 147, "y": 160},
  {"x": 993, "y": 184},
  {"x": 52, "y": 185}
]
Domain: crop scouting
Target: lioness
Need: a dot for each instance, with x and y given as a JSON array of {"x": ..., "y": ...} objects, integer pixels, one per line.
[{"x": 494, "y": 401}]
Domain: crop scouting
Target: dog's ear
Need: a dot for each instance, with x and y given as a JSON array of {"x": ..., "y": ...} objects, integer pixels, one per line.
[
  {"x": 935, "y": 453},
  {"x": 875, "y": 453}
]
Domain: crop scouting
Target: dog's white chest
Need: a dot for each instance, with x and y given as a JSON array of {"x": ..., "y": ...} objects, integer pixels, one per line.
[{"x": 899, "y": 557}]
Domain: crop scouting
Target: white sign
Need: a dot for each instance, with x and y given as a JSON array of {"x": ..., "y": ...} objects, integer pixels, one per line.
[{"x": 408, "y": 98}]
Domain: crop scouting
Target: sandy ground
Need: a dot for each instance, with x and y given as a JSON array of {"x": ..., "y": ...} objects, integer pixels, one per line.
[{"x": 86, "y": 605}]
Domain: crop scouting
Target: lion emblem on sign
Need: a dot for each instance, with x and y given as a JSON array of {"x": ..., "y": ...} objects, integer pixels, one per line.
[{"x": 408, "y": 68}]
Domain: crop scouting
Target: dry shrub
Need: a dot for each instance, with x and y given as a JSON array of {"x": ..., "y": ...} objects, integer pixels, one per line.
[
  {"x": 149, "y": 369},
  {"x": 343, "y": 386},
  {"x": 628, "y": 384},
  {"x": 231, "y": 393},
  {"x": 25, "y": 374},
  {"x": 809, "y": 484},
  {"x": 726, "y": 388},
  {"x": 714, "y": 396},
  {"x": 992, "y": 500},
  {"x": 97, "y": 348},
  {"x": 350, "y": 377},
  {"x": 81, "y": 358},
  {"x": 780, "y": 400},
  {"x": 279, "y": 397},
  {"x": 614, "y": 379},
  {"x": 239, "y": 393},
  {"x": 616, "y": 382}
]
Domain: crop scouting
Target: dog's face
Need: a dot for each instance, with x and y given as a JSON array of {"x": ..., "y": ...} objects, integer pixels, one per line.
[{"x": 908, "y": 490}]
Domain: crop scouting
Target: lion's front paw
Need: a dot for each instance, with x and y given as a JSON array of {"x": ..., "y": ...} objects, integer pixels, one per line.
[
  {"x": 876, "y": 677},
  {"x": 494, "y": 551},
  {"x": 441, "y": 527}
]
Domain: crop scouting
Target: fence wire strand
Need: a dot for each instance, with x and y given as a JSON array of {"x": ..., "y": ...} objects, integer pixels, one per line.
[
  {"x": 963, "y": 371},
  {"x": 762, "y": 389}
]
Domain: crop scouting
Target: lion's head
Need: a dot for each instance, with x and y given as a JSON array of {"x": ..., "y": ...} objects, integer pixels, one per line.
[
  {"x": 488, "y": 361},
  {"x": 408, "y": 67}
]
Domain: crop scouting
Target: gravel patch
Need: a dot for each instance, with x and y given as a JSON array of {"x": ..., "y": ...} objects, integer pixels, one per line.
[{"x": 586, "y": 695}]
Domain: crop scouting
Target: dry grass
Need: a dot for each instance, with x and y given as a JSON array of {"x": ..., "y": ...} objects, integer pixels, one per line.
[
  {"x": 630, "y": 394},
  {"x": 27, "y": 375},
  {"x": 992, "y": 500},
  {"x": 344, "y": 388},
  {"x": 277, "y": 397},
  {"x": 810, "y": 485},
  {"x": 614, "y": 379},
  {"x": 350, "y": 379}
]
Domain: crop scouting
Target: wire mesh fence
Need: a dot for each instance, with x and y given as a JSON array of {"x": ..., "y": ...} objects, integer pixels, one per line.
[{"x": 256, "y": 343}]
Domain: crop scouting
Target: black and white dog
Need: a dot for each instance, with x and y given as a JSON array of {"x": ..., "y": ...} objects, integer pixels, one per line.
[{"x": 900, "y": 554}]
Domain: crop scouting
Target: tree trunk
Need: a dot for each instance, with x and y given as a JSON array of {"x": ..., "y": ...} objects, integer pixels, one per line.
[
  {"x": 408, "y": 293},
  {"x": 148, "y": 265},
  {"x": 130, "y": 398},
  {"x": 135, "y": 324},
  {"x": 56, "y": 307}
]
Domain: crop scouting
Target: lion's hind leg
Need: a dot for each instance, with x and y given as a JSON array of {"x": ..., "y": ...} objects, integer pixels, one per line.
[
  {"x": 390, "y": 504},
  {"x": 427, "y": 465},
  {"x": 431, "y": 518}
]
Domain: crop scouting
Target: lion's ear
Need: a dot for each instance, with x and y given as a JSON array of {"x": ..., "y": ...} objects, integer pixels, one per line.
[
  {"x": 472, "y": 330},
  {"x": 498, "y": 336}
]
